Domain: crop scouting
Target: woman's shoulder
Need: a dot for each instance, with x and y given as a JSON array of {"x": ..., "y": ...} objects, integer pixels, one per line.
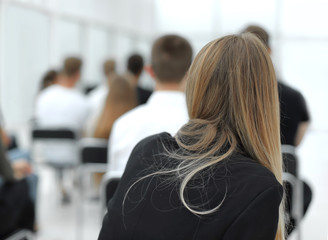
[
  {"x": 156, "y": 141},
  {"x": 247, "y": 177},
  {"x": 151, "y": 149}
]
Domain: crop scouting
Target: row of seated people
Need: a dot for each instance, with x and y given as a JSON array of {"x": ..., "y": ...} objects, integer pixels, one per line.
[
  {"x": 166, "y": 108},
  {"x": 60, "y": 105},
  {"x": 150, "y": 119},
  {"x": 17, "y": 194},
  {"x": 151, "y": 198}
]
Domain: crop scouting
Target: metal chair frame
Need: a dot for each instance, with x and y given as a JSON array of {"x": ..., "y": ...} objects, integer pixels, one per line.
[
  {"x": 64, "y": 137},
  {"x": 55, "y": 135},
  {"x": 21, "y": 235},
  {"x": 112, "y": 177},
  {"x": 297, "y": 193},
  {"x": 92, "y": 160}
]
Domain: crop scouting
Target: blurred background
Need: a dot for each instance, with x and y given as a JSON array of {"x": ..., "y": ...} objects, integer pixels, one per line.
[{"x": 36, "y": 35}]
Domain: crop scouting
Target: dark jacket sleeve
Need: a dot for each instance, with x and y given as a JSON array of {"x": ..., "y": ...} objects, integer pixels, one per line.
[
  {"x": 260, "y": 219},
  {"x": 104, "y": 232},
  {"x": 16, "y": 208},
  {"x": 304, "y": 112},
  {"x": 6, "y": 171}
]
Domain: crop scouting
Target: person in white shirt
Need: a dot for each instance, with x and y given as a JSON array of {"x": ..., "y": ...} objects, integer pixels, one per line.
[
  {"x": 61, "y": 105},
  {"x": 166, "y": 108}
]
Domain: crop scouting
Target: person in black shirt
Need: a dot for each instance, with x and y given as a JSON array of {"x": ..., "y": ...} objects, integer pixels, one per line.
[
  {"x": 294, "y": 115},
  {"x": 220, "y": 177},
  {"x": 135, "y": 65},
  {"x": 294, "y": 121}
]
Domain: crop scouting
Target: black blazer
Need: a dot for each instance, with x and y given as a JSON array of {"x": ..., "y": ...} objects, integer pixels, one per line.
[{"x": 250, "y": 196}]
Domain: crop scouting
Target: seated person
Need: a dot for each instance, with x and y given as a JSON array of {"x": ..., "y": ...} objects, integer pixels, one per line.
[
  {"x": 49, "y": 79},
  {"x": 166, "y": 108},
  {"x": 17, "y": 210},
  {"x": 220, "y": 176},
  {"x": 120, "y": 100},
  {"x": 60, "y": 105},
  {"x": 97, "y": 97},
  {"x": 295, "y": 117},
  {"x": 294, "y": 121}
]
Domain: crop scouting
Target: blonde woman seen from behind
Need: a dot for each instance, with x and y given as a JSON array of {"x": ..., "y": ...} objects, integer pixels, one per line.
[{"x": 220, "y": 177}]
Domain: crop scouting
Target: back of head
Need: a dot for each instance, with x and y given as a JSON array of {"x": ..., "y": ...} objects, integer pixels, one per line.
[
  {"x": 233, "y": 105},
  {"x": 135, "y": 64},
  {"x": 231, "y": 86},
  {"x": 260, "y": 33},
  {"x": 170, "y": 58},
  {"x": 109, "y": 67},
  {"x": 121, "y": 90},
  {"x": 72, "y": 66},
  {"x": 48, "y": 79}
]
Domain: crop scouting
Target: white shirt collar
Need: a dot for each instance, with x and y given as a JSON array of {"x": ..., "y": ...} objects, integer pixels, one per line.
[{"x": 169, "y": 97}]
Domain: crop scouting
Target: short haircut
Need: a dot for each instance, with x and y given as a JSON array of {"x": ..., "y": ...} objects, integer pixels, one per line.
[
  {"x": 109, "y": 66},
  {"x": 260, "y": 33},
  {"x": 171, "y": 57},
  {"x": 49, "y": 78},
  {"x": 135, "y": 64},
  {"x": 72, "y": 65}
]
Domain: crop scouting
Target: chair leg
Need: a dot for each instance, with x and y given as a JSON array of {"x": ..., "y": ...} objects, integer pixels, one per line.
[
  {"x": 65, "y": 197},
  {"x": 79, "y": 205}
]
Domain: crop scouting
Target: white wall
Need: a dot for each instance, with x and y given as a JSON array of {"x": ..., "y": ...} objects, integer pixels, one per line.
[
  {"x": 25, "y": 57},
  {"x": 38, "y": 34}
]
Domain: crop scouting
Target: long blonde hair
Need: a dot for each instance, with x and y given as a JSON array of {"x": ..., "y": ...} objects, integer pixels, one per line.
[
  {"x": 120, "y": 99},
  {"x": 233, "y": 106}
]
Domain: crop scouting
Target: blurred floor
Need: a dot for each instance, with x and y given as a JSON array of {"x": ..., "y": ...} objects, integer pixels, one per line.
[{"x": 58, "y": 222}]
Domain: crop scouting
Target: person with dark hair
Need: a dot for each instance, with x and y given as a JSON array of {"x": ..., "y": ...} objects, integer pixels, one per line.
[
  {"x": 135, "y": 66},
  {"x": 294, "y": 116},
  {"x": 166, "y": 108},
  {"x": 294, "y": 120},
  {"x": 220, "y": 176},
  {"x": 49, "y": 79},
  {"x": 61, "y": 105}
]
